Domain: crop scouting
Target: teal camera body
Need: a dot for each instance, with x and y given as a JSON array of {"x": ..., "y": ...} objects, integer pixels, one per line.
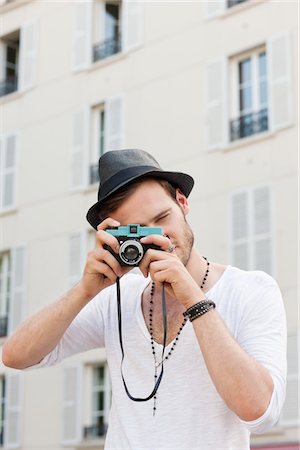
[{"x": 131, "y": 249}]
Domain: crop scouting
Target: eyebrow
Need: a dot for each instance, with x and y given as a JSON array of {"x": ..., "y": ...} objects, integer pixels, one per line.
[{"x": 162, "y": 213}]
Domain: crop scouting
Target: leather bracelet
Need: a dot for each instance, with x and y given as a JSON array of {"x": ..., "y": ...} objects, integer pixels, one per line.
[{"x": 199, "y": 309}]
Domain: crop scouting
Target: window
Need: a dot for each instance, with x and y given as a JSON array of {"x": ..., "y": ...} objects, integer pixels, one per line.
[
  {"x": 251, "y": 230},
  {"x": 8, "y": 168},
  {"x": 5, "y": 291},
  {"x": 107, "y": 29},
  {"x": 2, "y": 409},
  {"x": 290, "y": 412},
  {"x": 9, "y": 79},
  {"x": 250, "y": 84},
  {"x": 231, "y": 3},
  {"x": 100, "y": 400},
  {"x": 98, "y": 144}
]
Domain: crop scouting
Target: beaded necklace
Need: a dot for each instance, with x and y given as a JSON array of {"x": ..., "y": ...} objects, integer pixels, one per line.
[{"x": 156, "y": 363}]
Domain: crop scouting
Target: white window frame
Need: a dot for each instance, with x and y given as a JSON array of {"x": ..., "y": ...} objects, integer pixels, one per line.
[
  {"x": 96, "y": 134},
  {"x": 5, "y": 275},
  {"x": 106, "y": 388},
  {"x": 252, "y": 54},
  {"x": 99, "y": 17}
]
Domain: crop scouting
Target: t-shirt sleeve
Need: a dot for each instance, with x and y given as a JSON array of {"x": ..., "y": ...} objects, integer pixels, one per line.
[
  {"x": 262, "y": 334},
  {"x": 86, "y": 332}
]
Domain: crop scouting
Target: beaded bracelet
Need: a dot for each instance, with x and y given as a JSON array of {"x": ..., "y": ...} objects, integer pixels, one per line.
[{"x": 199, "y": 309}]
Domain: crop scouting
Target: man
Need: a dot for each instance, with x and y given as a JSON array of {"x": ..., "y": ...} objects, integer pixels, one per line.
[{"x": 224, "y": 362}]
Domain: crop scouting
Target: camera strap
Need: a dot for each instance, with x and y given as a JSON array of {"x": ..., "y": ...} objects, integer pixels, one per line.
[{"x": 164, "y": 314}]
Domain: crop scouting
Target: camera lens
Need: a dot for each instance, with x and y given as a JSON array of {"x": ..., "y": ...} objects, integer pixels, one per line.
[{"x": 131, "y": 252}]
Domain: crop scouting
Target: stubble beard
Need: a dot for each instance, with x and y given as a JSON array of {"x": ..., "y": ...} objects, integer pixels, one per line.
[{"x": 187, "y": 243}]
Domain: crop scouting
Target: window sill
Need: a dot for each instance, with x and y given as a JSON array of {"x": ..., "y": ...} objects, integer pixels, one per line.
[
  {"x": 250, "y": 140},
  {"x": 13, "y": 4},
  {"x": 7, "y": 212},
  {"x": 236, "y": 9},
  {"x": 11, "y": 97},
  {"x": 91, "y": 443},
  {"x": 107, "y": 61}
]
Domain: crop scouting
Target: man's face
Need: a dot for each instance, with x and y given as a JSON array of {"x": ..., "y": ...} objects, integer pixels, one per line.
[{"x": 151, "y": 206}]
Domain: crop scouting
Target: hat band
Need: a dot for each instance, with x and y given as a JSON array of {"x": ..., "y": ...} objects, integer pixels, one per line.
[{"x": 122, "y": 177}]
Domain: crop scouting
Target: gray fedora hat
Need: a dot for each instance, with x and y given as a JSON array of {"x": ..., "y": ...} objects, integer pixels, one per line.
[{"x": 119, "y": 167}]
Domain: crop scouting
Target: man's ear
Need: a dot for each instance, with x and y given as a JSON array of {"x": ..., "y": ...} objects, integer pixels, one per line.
[{"x": 182, "y": 201}]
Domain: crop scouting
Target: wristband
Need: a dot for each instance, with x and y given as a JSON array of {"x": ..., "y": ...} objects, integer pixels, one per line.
[{"x": 199, "y": 309}]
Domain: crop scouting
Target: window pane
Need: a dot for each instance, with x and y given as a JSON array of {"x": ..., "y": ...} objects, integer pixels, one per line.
[
  {"x": 245, "y": 71},
  {"x": 98, "y": 401},
  {"x": 246, "y": 99},
  {"x": 101, "y": 133},
  {"x": 111, "y": 20},
  {"x": 262, "y": 65},
  {"x": 263, "y": 93},
  {"x": 98, "y": 376}
]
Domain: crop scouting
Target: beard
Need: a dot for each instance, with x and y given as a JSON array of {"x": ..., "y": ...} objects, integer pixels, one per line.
[{"x": 186, "y": 243}]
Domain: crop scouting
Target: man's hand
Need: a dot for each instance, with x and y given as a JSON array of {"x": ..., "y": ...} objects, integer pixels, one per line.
[
  {"x": 102, "y": 268},
  {"x": 165, "y": 267}
]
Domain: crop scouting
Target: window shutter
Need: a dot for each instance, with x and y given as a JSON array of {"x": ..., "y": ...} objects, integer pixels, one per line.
[
  {"x": 280, "y": 81},
  {"x": 240, "y": 230},
  {"x": 82, "y": 54},
  {"x": 79, "y": 151},
  {"x": 132, "y": 24},
  {"x": 13, "y": 417},
  {"x": 16, "y": 311},
  {"x": 8, "y": 167},
  {"x": 290, "y": 414},
  {"x": 28, "y": 55},
  {"x": 77, "y": 256},
  {"x": 216, "y": 104},
  {"x": 114, "y": 124},
  {"x": 2, "y": 58},
  {"x": 262, "y": 229},
  {"x": 213, "y": 8},
  {"x": 72, "y": 404},
  {"x": 251, "y": 227}
]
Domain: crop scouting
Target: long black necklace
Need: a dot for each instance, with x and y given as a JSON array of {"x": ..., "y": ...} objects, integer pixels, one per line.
[{"x": 156, "y": 363}]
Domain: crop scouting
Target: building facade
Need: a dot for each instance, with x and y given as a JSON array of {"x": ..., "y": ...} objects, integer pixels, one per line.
[{"x": 209, "y": 88}]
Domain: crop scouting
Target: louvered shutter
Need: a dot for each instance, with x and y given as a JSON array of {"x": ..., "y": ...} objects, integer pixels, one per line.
[
  {"x": 262, "y": 230},
  {"x": 114, "y": 124},
  {"x": 17, "y": 306},
  {"x": 82, "y": 52},
  {"x": 28, "y": 55},
  {"x": 216, "y": 104},
  {"x": 213, "y": 8},
  {"x": 77, "y": 256},
  {"x": 8, "y": 167},
  {"x": 280, "y": 89},
  {"x": 290, "y": 413},
  {"x": 79, "y": 151},
  {"x": 72, "y": 404},
  {"x": 14, "y": 407},
  {"x": 2, "y": 58},
  {"x": 240, "y": 230},
  {"x": 132, "y": 24}
]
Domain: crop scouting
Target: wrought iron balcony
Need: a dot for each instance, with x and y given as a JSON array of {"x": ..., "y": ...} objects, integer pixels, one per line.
[
  {"x": 231, "y": 3},
  {"x": 249, "y": 124},
  {"x": 3, "y": 326},
  {"x": 107, "y": 48},
  {"x": 94, "y": 431},
  {"x": 94, "y": 174},
  {"x": 8, "y": 86}
]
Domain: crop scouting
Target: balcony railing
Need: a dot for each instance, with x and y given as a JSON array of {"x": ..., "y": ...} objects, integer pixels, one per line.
[
  {"x": 94, "y": 174},
  {"x": 3, "y": 326},
  {"x": 231, "y": 3},
  {"x": 94, "y": 431},
  {"x": 249, "y": 124},
  {"x": 107, "y": 48},
  {"x": 8, "y": 86}
]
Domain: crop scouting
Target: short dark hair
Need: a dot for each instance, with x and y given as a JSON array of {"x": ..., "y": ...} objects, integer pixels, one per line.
[{"x": 111, "y": 203}]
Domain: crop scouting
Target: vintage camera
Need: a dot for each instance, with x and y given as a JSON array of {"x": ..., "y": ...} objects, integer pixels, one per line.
[{"x": 131, "y": 249}]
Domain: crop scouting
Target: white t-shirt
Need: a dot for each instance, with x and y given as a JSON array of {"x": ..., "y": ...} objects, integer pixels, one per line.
[{"x": 190, "y": 413}]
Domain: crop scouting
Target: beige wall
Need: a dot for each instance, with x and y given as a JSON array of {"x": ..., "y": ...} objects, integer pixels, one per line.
[{"x": 163, "y": 86}]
